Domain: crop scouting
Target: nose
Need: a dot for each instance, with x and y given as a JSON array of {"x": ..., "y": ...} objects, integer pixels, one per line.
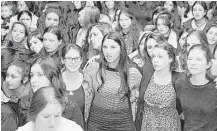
[
  {"x": 52, "y": 122},
  {"x": 8, "y": 79}
]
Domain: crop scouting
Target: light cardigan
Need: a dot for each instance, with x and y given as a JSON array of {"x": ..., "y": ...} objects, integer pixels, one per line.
[{"x": 65, "y": 125}]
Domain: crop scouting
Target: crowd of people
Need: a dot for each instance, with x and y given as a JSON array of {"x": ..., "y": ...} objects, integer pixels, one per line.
[{"x": 109, "y": 65}]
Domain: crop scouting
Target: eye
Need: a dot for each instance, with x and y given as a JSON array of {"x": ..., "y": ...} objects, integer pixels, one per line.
[
  {"x": 113, "y": 47},
  {"x": 40, "y": 74},
  {"x": 46, "y": 116},
  {"x": 104, "y": 47}
]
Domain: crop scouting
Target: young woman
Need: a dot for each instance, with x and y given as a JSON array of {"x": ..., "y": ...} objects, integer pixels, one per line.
[
  {"x": 16, "y": 89},
  {"x": 17, "y": 36},
  {"x": 116, "y": 84},
  {"x": 87, "y": 16},
  {"x": 211, "y": 35},
  {"x": 146, "y": 47},
  {"x": 128, "y": 28},
  {"x": 197, "y": 92},
  {"x": 26, "y": 17},
  {"x": 95, "y": 34},
  {"x": 110, "y": 9},
  {"x": 48, "y": 116},
  {"x": 44, "y": 72},
  {"x": 164, "y": 24},
  {"x": 187, "y": 11},
  {"x": 157, "y": 94},
  {"x": 34, "y": 42},
  {"x": 78, "y": 84},
  {"x": 193, "y": 38},
  {"x": 52, "y": 16},
  {"x": 53, "y": 43},
  {"x": 199, "y": 21}
]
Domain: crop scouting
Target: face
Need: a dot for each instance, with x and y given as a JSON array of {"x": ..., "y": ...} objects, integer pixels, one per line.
[
  {"x": 212, "y": 35},
  {"x": 52, "y": 19},
  {"x": 111, "y": 51},
  {"x": 14, "y": 77},
  {"x": 96, "y": 37},
  {"x": 197, "y": 62},
  {"x": 35, "y": 44},
  {"x": 6, "y": 11},
  {"x": 77, "y": 4},
  {"x": 49, "y": 118},
  {"x": 26, "y": 19},
  {"x": 72, "y": 60},
  {"x": 183, "y": 39},
  {"x": 81, "y": 17},
  {"x": 151, "y": 43},
  {"x": 110, "y": 4},
  {"x": 169, "y": 5},
  {"x": 198, "y": 12},
  {"x": 21, "y": 5},
  {"x": 192, "y": 40},
  {"x": 38, "y": 79},
  {"x": 160, "y": 59},
  {"x": 50, "y": 41},
  {"x": 125, "y": 21},
  {"x": 18, "y": 33},
  {"x": 162, "y": 28}
]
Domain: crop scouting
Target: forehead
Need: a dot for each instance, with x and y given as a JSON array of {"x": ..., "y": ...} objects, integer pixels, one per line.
[
  {"x": 214, "y": 28},
  {"x": 95, "y": 30},
  {"x": 159, "y": 51},
  {"x": 36, "y": 68},
  {"x": 19, "y": 26},
  {"x": 193, "y": 38},
  {"x": 196, "y": 52},
  {"x": 52, "y": 14},
  {"x": 50, "y": 35},
  {"x": 52, "y": 108},
  {"x": 151, "y": 42},
  {"x": 13, "y": 69},
  {"x": 169, "y": 2},
  {"x": 124, "y": 15},
  {"x": 197, "y": 5},
  {"x": 110, "y": 42},
  {"x": 72, "y": 53},
  {"x": 24, "y": 15},
  {"x": 21, "y": 2}
]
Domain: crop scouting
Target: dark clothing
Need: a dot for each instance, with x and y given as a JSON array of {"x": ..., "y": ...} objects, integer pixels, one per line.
[{"x": 199, "y": 104}]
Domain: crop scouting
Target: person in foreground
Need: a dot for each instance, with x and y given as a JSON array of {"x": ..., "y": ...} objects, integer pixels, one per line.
[{"x": 45, "y": 112}]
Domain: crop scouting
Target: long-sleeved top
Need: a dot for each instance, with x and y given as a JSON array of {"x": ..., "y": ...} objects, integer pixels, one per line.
[{"x": 199, "y": 103}]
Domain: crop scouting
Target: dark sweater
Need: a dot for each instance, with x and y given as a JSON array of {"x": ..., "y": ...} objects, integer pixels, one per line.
[{"x": 199, "y": 105}]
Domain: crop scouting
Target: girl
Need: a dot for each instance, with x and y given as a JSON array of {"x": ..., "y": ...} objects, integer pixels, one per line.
[
  {"x": 34, "y": 43},
  {"x": 172, "y": 7},
  {"x": 26, "y": 17},
  {"x": 110, "y": 9},
  {"x": 78, "y": 84},
  {"x": 17, "y": 35},
  {"x": 128, "y": 28},
  {"x": 193, "y": 38},
  {"x": 116, "y": 84},
  {"x": 16, "y": 89},
  {"x": 157, "y": 95},
  {"x": 165, "y": 26},
  {"x": 48, "y": 116},
  {"x": 95, "y": 34},
  {"x": 45, "y": 72},
  {"x": 146, "y": 47},
  {"x": 187, "y": 13},
  {"x": 211, "y": 35},
  {"x": 53, "y": 43},
  {"x": 196, "y": 91},
  {"x": 87, "y": 16},
  {"x": 200, "y": 21},
  {"x": 52, "y": 16}
]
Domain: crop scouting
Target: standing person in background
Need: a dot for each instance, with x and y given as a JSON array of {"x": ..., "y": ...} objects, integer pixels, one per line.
[
  {"x": 48, "y": 116},
  {"x": 211, "y": 34},
  {"x": 197, "y": 93},
  {"x": 116, "y": 83},
  {"x": 87, "y": 16},
  {"x": 199, "y": 21}
]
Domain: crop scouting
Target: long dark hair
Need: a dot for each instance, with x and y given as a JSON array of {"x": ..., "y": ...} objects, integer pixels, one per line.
[{"x": 122, "y": 66}]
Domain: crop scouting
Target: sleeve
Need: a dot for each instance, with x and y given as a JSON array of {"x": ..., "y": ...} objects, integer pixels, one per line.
[
  {"x": 9, "y": 120},
  {"x": 134, "y": 84}
]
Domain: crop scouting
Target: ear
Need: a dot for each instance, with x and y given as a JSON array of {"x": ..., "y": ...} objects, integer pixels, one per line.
[
  {"x": 25, "y": 80},
  {"x": 11, "y": 12},
  {"x": 60, "y": 42},
  {"x": 209, "y": 65},
  {"x": 62, "y": 60}
]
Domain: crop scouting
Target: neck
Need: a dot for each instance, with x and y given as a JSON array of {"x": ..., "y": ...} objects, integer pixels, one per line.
[
  {"x": 165, "y": 73},
  {"x": 167, "y": 34},
  {"x": 199, "y": 79},
  {"x": 113, "y": 64},
  {"x": 18, "y": 91},
  {"x": 71, "y": 75},
  {"x": 200, "y": 21},
  {"x": 110, "y": 11}
]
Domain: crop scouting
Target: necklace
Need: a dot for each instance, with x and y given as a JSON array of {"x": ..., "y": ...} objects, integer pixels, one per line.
[{"x": 71, "y": 93}]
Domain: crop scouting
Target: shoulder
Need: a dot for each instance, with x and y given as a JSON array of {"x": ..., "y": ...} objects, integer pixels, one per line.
[
  {"x": 67, "y": 125},
  {"x": 181, "y": 79},
  {"x": 26, "y": 127},
  {"x": 92, "y": 68},
  {"x": 188, "y": 23}
]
